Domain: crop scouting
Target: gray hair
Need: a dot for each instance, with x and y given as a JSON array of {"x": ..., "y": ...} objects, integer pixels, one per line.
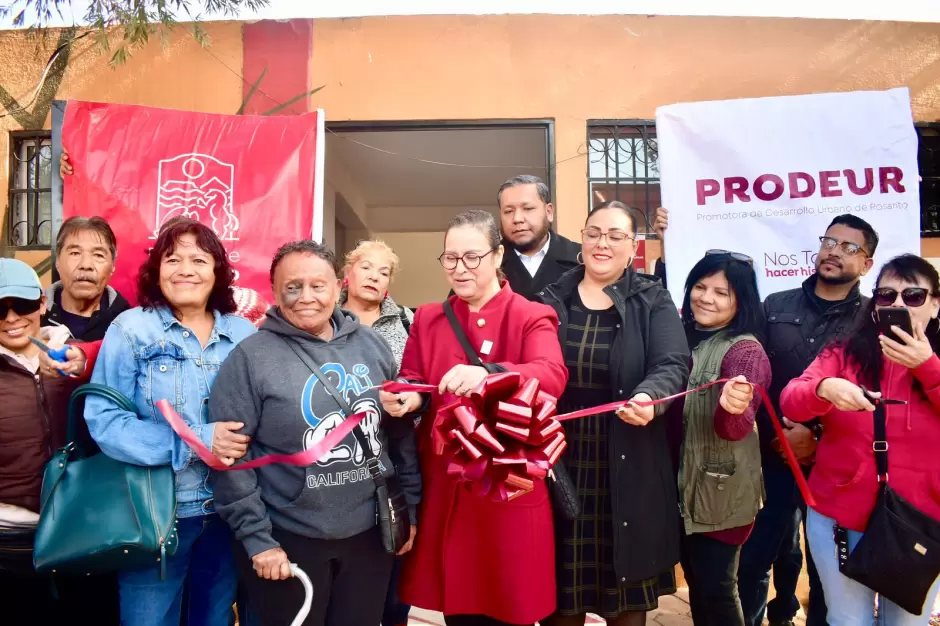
[
  {"x": 96, "y": 225},
  {"x": 304, "y": 246},
  {"x": 545, "y": 194}
]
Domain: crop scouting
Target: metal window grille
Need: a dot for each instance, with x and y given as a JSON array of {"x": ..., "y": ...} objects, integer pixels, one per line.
[
  {"x": 623, "y": 164},
  {"x": 30, "y": 207},
  {"x": 928, "y": 163}
]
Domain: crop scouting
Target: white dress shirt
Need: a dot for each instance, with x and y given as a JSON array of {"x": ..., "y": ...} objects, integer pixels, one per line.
[{"x": 532, "y": 263}]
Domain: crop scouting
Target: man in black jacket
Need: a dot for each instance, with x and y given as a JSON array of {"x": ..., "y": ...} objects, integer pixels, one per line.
[
  {"x": 535, "y": 256},
  {"x": 799, "y": 323},
  {"x": 82, "y": 301}
]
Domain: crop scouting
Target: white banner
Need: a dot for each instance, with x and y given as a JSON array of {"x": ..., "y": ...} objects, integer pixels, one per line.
[{"x": 766, "y": 176}]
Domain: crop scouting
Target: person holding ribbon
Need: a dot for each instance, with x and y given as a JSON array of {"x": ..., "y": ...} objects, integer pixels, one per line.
[
  {"x": 171, "y": 348},
  {"x": 319, "y": 515},
  {"x": 622, "y": 340},
  {"x": 902, "y": 374},
  {"x": 478, "y": 559},
  {"x": 720, "y": 484}
]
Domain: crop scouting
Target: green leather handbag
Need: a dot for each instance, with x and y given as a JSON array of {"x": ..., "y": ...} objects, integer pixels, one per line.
[{"x": 98, "y": 514}]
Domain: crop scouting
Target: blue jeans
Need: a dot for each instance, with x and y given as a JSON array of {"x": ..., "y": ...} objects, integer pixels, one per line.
[
  {"x": 202, "y": 572},
  {"x": 851, "y": 603},
  {"x": 775, "y": 543}
]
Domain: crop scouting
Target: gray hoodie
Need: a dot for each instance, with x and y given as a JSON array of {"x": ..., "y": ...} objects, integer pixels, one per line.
[{"x": 285, "y": 409}]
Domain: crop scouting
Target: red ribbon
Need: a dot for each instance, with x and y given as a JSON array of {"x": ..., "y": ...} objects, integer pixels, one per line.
[
  {"x": 500, "y": 438},
  {"x": 613, "y": 406},
  {"x": 504, "y": 467},
  {"x": 308, "y": 457}
]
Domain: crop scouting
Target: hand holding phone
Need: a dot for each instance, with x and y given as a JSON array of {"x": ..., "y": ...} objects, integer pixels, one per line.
[
  {"x": 912, "y": 349},
  {"x": 894, "y": 316}
]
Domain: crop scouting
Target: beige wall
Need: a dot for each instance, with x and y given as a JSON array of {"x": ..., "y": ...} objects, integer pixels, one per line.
[
  {"x": 180, "y": 75},
  {"x": 420, "y": 278},
  {"x": 575, "y": 68}
]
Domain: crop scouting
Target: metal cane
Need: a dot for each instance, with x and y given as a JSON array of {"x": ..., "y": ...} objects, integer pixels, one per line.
[{"x": 300, "y": 575}]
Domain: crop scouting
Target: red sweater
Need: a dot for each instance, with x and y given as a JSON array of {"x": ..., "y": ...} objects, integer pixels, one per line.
[{"x": 844, "y": 479}]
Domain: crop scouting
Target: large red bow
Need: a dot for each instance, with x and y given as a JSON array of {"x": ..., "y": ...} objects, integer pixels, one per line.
[{"x": 500, "y": 438}]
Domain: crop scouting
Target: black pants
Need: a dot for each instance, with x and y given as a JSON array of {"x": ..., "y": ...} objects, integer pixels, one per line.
[
  {"x": 473, "y": 620},
  {"x": 711, "y": 569},
  {"x": 32, "y": 599},
  {"x": 349, "y": 576}
]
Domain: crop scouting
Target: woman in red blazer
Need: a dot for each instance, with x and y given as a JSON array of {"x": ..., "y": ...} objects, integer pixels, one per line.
[{"x": 478, "y": 561}]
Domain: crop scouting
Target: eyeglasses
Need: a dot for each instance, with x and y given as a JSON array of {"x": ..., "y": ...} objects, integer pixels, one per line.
[
  {"x": 593, "y": 235},
  {"x": 912, "y": 296},
  {"x": 848, "y": 248},
  {"x": 737, "y": 256},
  {"x": 19, "y": 306},
  {"x": 471, "y": 260}
]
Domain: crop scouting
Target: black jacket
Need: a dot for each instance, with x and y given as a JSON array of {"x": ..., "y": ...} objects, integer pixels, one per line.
[
  {"x": 561, "y": 256},
  {"x": 649, "y": 355},
  {"x": 112, "y": 305},
  {"x": 797, "y": 329}
]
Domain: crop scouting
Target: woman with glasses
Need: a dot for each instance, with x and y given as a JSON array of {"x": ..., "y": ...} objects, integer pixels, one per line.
[
  {"x": 845, "y": 479},
  {"x": 622, "y": 340},
  {"x": 479, "y": 561},
  {"x": 720, "y": 484}
]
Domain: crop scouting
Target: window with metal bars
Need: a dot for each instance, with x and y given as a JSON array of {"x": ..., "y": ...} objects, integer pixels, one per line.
[
  {"x": 623, "y": 164},
  {"x": 928, "y": 163},
  {"x": 30, "y": 207}
]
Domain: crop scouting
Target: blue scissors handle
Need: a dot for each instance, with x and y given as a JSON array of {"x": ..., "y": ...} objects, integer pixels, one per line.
[{"x": 59, "y": 354}]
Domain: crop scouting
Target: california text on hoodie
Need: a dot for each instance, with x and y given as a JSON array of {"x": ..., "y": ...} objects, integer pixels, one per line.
[
  {"x": 285, "y": 409},
  {"x": 844, "y": 480}
]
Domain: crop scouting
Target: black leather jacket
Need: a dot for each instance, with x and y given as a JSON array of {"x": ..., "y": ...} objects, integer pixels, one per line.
[{"x": 797, "y": 329}]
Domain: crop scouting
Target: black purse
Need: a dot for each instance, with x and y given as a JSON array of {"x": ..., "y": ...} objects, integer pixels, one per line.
[
  {"x": 899, "y": 555},
  {"x": 391, "y": 508},
  {"x": 561, "y": 488}
]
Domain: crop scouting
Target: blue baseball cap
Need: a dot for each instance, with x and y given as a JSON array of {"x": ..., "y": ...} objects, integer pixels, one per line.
[{"x": 18, "y": 280}]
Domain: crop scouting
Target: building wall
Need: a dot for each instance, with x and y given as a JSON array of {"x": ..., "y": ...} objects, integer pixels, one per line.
[
  {"x": 576, "y": 68},
  {"x": 180, "y": 75},
  {"x": 566, "y": 68}
]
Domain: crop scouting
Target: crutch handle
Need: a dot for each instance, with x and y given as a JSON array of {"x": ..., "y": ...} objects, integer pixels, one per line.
[{"x": 300, "y": 575}]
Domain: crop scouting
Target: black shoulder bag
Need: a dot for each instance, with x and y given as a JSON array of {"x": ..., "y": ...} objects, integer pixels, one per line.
[
  {"x": 564, "y": 494},
  {"x": 899, "y": 555},
  {"x": 391, "y": 509}
]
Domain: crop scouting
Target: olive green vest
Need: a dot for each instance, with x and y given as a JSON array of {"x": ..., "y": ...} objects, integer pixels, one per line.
[{"x": 720, "y": 482}]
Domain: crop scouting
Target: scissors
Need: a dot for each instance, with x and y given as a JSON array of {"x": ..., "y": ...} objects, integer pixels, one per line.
[
  {"x": 877, "y": 401},
  {"x": 54, "y": 354}
]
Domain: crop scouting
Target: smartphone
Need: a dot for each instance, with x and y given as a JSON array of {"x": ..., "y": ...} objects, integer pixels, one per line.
[{"x": 894, "y": 316}]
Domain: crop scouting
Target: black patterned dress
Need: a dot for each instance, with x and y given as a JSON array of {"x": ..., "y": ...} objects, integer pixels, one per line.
[{"x": 587, "y": 582}]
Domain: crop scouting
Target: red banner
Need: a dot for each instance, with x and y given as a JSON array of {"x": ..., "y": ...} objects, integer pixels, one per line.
[{"x": 256, "y": 181}]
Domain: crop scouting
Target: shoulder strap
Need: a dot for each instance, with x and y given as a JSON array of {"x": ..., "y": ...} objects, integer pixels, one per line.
[
  {"x": 373, "y": 463},
  {"x": 880, "y": 443},
  {"x": 403, "y": 314},
  {"x": 461, "y": 335}
]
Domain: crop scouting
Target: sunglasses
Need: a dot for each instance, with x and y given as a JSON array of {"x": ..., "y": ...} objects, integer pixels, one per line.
[
  {"x": 737, "y": 256},
  {"x": 19, "y": 306},
  {"x": 912, "y": 296}
]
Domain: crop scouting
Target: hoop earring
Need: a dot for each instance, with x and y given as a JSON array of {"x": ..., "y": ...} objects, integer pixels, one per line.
[{"x": 580, "y": 258}]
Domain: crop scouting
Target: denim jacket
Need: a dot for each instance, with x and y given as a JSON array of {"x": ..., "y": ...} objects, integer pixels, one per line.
[{"x": 148, "y": 355}]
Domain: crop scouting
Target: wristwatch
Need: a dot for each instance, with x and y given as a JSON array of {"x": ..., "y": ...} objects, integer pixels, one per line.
[{"x": 817, "y": 429}]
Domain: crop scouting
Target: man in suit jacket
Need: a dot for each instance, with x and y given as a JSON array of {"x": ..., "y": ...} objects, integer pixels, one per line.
[{"x": 535, "y": 255}]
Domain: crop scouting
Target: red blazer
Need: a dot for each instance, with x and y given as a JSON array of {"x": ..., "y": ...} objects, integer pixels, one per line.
[
  {"x": 472, "y": 555},
  {"x": 844, "y": 479}
]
